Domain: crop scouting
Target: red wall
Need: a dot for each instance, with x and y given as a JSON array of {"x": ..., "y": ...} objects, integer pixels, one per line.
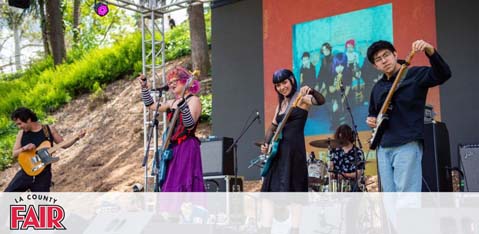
[{"x": 412, "y": 20}]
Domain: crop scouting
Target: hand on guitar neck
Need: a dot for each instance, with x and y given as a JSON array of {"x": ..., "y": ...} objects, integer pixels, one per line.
[{"x": 371, "y": 122}]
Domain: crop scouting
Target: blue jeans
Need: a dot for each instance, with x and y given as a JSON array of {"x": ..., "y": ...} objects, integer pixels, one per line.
[{"x": 400, "y": 167}]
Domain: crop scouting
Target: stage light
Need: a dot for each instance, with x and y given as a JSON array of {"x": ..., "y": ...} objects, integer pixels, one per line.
[{"x": 101, "y": 9}]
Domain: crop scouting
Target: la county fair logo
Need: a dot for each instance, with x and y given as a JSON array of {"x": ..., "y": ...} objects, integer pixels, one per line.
[{"x": 45, "y": 215}]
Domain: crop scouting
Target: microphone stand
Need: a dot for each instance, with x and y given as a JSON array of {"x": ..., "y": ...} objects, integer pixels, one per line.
[
  {"x": 235, "y": 152},
  {"x": 355, "y": 133},
  {"x": 152, "y": 126}
]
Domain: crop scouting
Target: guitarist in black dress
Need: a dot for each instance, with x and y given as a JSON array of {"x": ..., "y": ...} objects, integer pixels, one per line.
[
  {"x": 401, "y": 145},
  {"x": 288, "y": 171},
  {"x": 32, "y": 133}
]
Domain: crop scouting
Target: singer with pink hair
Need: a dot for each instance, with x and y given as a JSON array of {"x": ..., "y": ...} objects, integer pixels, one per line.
[{"x": 184, "y": 171}]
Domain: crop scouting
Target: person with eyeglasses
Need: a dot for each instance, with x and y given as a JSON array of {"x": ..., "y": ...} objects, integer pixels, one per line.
[
  {"x": 401, "y": 146},
  {"x": 184, "y": 171}
]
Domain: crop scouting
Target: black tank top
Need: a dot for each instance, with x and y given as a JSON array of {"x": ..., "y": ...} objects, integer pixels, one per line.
[{"x": 33, "y": 137}]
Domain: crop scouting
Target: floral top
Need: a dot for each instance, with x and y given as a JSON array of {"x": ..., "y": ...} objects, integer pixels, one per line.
[{"x": 344, "y": 161}]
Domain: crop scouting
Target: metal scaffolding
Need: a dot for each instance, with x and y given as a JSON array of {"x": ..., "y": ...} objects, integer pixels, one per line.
[{"x": 153, "y": 59}]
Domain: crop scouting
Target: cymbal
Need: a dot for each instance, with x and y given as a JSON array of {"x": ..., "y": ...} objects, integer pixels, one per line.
[
  {"x": 259, "y": 143},
  {"x": 325, "y": 143}
]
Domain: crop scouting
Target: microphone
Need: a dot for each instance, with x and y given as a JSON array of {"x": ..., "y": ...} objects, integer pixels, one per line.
[
  {"x": 161, "y": 88},
  {"x": 258, "y": 117}
]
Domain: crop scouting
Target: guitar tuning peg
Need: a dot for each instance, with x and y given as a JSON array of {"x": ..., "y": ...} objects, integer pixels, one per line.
[{"x": 195, "y": 72}]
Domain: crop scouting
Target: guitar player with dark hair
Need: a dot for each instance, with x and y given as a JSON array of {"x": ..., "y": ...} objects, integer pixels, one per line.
[
  {"x": 400, "y": 145},
  {"x": 286, "y": 170},
  {"x": 31, "y": 136}
]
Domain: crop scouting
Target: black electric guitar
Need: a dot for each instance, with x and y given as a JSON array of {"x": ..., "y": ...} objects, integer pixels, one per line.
[{"x": 382, "y": 118}]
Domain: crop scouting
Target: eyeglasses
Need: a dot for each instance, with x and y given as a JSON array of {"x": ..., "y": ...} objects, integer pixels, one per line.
[
  {"x": 384, "y": 56},
  {"x": 172, "y": 82}
]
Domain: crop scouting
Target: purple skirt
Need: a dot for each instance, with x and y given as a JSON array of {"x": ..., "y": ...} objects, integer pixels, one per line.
[{"x": 184, "y": 172}]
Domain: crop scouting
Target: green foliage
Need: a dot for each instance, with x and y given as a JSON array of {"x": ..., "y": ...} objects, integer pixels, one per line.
[
  {"x": 45, "y": 91},
  {"x": 44, "y": 88},
  {"x": 6, "y": 145},
  {"x": 177, "y": 40},
  {"x": 206, "y": 107}
]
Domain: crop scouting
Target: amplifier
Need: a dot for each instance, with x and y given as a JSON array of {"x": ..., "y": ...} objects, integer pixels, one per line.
[
  {"x": 214, "y": 158},
  {"x": 224, "y": 183},
  {"x": 469, "y": 159}
]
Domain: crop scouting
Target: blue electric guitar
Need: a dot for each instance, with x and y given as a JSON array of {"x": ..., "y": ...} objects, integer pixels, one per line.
[
  {"x": 165, "y": 150},
  {"x": 273, "y": 145}
]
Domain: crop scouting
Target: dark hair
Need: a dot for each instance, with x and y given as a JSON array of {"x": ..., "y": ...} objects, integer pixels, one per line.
[
  {"x": 24, "y": 114},
  {"x": 328, "y": 46},
  {"x": 339, "y": 59},
  {"x": 281, "y": 75},
  {"x": 305, "y": 54},
  {"x": 377, "y": 46},
  {"x": 344, "y": 133}
]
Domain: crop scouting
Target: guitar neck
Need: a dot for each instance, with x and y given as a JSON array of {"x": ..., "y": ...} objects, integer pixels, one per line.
[
  {"x": 171, "y": 125},
  {"x": 62, "y": 144},
  {"x": 399, "y": 76},
  {"x": 286, "y": 116}
]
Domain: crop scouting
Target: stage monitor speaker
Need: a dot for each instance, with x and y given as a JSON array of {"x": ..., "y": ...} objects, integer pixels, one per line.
[
  {"x": 214, "y": 158},
  {"x": 469, "y": 161},
  {"x": 436, "y": 159},
  {"x": 24, "y": 4}
]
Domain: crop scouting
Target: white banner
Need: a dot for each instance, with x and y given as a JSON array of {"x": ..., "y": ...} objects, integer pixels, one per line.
[{"x": 307, "y": 213}]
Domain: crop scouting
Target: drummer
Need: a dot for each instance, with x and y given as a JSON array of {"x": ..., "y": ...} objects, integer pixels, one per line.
[{"x": 343, "y": 163}]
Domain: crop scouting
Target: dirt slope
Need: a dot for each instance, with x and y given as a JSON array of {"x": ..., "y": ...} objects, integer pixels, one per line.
[{"x": 109, "y": 157}]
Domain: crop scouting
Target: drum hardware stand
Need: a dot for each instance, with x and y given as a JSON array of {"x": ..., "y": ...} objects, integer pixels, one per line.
[{"x": 355, "y": 137}]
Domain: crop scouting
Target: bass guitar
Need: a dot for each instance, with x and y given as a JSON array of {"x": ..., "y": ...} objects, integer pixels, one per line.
[
  {"x": 383, "y": 117},
  {"x": 34, "y": 161},
  {"x": 273, "y": 145},
  {"x": 165, "y": 150}
]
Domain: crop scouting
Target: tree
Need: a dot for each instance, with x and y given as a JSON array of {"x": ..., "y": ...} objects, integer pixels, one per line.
[
  {"x": 199, "y": 44},
  {"x": 13, "y": 18},
  {"x": 55, "y": 31},
  {"x": 76, "y": 21},
  {"x": 43, "y": 26}
]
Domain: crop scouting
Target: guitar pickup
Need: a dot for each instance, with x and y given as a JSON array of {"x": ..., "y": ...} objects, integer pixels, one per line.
[{"x": 38, "y": 167}]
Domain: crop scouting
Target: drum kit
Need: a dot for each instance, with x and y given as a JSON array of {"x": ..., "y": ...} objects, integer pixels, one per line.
[
  {"x": 319, "y": 173},
  {"x": 325, "y": 179}
]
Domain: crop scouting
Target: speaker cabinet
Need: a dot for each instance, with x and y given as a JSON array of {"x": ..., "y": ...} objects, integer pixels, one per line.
[
  {"x": 223, "y": 183},
  {"x": 436, "y": 159},
  {"x": 24, "y": 4},
  {"x": 214, "y": 158},
  {"x": 469, "y": 161}
]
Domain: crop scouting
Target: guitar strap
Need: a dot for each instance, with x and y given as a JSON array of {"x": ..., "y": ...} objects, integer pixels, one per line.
[{"x": 47, "y": 132}]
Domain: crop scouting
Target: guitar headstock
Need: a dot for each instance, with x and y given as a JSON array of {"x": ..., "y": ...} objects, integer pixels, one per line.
[
  {"x": 409, "y": 57},
  {"x": 190, "y": 80},
  {"x": 297, "y": 100},
  {"x": 194, "y": 75}
]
